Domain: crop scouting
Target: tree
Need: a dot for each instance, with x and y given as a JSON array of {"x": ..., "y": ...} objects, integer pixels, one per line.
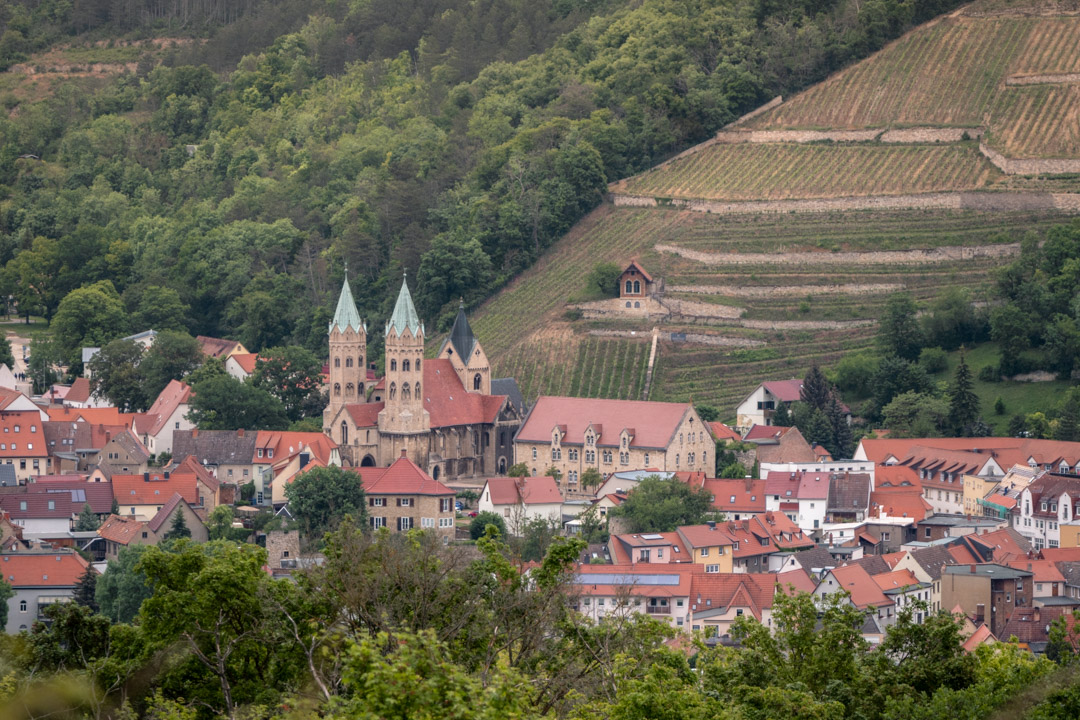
[
  {"x": 1010, "y": 328},
  {"x": 855, "y": 374},
  {"x": 591, "y": 478},
  {"x": 122, "y": 588},
  {"x": 815, "y": 390},
  {"x": 85, "y": 593},
  {"x": 518, "y": 470},
  {"x": 552, "y": 472},
  {"x": 294, "y": 376},
  {"x": 6, "y": 593},
  {"x": 219, "y": 523},
  {"x": 116, "y": 376},
  {"x": 707, "y": 413},
  {"x": 781, "y": 416},
  {"x": 479, "y": 524},
  {"x": 963, "y": 402},
  {"x": 895, "y": 376},
  {"x": 43, "y": 365},
  {"x": 87, "y": 520},
  {"x": 1068, "y": 427},
  {"x": 322, "y": 498},
  {"x": 159, "y": 308},
  {"x": 179, "y": 528},
  {"x": 225, "y": 403},
  {"x": 843, "y": 442},
  {"x": 658, "y": 505},
  {"x": 914, "y": 414},
  {"x": 603, "y": 281},
  {"x": 89, "y": 316},
  {"x": 735, "y": 470},
  {"x": 952, "y": 320},
  {"x": 899, "y": 333},
  {"x": 7, "y": 357},
  {"x": 173, "y": 356},
  {"x": 453, "y": 268},
  {"x": 536, "y": 537}
]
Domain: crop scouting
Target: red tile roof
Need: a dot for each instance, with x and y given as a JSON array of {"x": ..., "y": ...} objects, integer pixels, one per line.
[
  {"x": 765, "y": 432},
  {"x": 749, "y": 495},
  {"x": 98, "y": 494},
  {"x": 898, "y": 504},
  {"x": 892, "y": 559},
  {"x": 165, "y": 513},
  {"x": 799, "y": 578},
  {"x": 1006, "y": 544},
  {"x": 721, "y": 431},
  {"x": 785, "y": 390},
  {"x": 887, "y": 477},
  {"x": 42, "y": 569},
  {"x": 37, "y": 505},
  {"x": 864, "y": 591},
  {"x": 98, "y": 416},
  {"x": 136, "y": 490},
  {"x": 636, "y": 266},
  {"x": 1045, "y": 570},
  {"x": 731, "y": 590},
  {"x": 981, "y": 636},
  {"x": 246, "y": 361},
  {"x": 287, "y": 443},
  {"x": 216, "y": 347},
  {"x": 403, "y": 477},
  {"x": 622, "y": 551},
  {"x": 527, "y": 490},
  {"x": 896, "y": 580},
  {"x": 191, "y": 466},
  {"x": 120, "y": 529},
  {"x": 634, "y": 579},
  {"x": 656, "y": 423},
  {"x": 79, "y": 391},
  {"x": 174, "y": 395},
  {"x": 1005, "y": 451},
  {"x": 22, "y": 435}
]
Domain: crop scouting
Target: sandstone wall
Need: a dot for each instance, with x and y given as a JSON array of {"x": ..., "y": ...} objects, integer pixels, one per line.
[
  {"x": 759, "y": 291},
  {"x": 1048, "y": 79},
  {"x": 891, "y": 257},
  {"x": 1030, "y": 166}
]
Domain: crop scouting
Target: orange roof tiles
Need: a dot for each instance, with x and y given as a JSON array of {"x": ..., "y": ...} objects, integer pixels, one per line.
[
  {"x": 21, "y": 435},
  {"x": 97, "y": 416},
  {"x": 246, "y": 361},
  {"x": 897, "y": 504},
  {"x": 896, "y": 580},
  {"x": 765, "y": 432},
  {"x": 41, "y": 569},
  {"x": 864, "y": 591},
  {"x": 737, "y": 495},
  {"x": 1045, "y": 570},
  {"x": 137, "y": 490},
  {"x": 529, "y": 490},
  {"x": 79, "y": 391},
  {"x": 174, "y": 395},
  {"x": 798, "y": 578},
  {"x": 285, "y": 443},
  {"x": 890, "y": 477},
  {"x": 721, "y": 431},
  {"x": 120, "y": 529},
  {"x": 403, "y": 477},
  {"x": 633, "y": 578},
  {"x": 216, "y": 347},
  {"x": 656, "y": 423}
]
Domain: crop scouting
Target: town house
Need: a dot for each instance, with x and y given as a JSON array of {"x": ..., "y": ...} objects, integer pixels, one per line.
[
  {"x": 402, "y": 497},
  {"x": 39, "y": 579}
]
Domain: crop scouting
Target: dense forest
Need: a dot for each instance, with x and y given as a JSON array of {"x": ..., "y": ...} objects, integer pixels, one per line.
[{"x": 223, "y": 189}]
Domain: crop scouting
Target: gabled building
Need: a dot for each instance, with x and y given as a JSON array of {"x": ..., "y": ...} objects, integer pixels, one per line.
[
  {"x": 228, "y": 454},
  {"x": 861, "y": 592},
  {"x": 42, "y": 515},
  {"x": 39, "y": 579},
  {"x": 661, "y": 592},
  {"x": 987, "y": 592},
  {"x": 161, "y": 524},
  {"x": 1043, "y": 506},
  {"x": 904, "y": 589},
  {"x": 649, "y": 548},
  {"x": 241, "y": 365},
  {"x": 22, "y": 440},
  {"x": 281, "y": 455},
  {"x": 168, "y": 414},
  {"x": 219, "y": 348},
  {"x": 520, "y": 500},
  {"x": 402, "y": 497},
  {"x": 441, "y": 411},
  {"x": 142, "y": 496},
  {"x": 759, "y": 405},
  {"x": 737, "y": 499}
]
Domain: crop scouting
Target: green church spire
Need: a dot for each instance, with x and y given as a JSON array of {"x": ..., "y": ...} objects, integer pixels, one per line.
[
  {"x": 404, "y": 316},
  {"x": 346, "y": 315}
]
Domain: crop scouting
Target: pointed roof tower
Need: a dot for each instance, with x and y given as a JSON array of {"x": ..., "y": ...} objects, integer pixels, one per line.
[
  {"x": 461, "y": 335},
  {"x": 346, "y": 315},
  {"x": 404, "y": 317}
]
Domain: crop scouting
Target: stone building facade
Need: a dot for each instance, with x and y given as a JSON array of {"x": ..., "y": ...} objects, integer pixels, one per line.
[{"x": 439, "y": 411}]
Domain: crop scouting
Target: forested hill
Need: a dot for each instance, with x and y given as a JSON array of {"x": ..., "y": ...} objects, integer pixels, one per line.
[{"x": 453, "y": 139}]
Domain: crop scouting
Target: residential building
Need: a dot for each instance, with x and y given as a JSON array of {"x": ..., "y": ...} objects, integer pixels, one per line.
[
  {"x": 40, "y": 515},
  {"x": 241, "y": 365},
  {"x": 860, "y": 591},
  {"x": 649, "y": 548},
  {"x": 118, "y": 532},
  {"x": 39, "y": 579},
  {"x": 709, "y": 545},
  {"x": 402, "y": 497},
  {"x": 803, "y": 497},
  {"x": 219, "y": 348},
  {"x": 521, "y": 500},
  {"x": 122, "y": 450},
  {"x": 987, "y": 592},
  {"x": 576, "y": 434},
  {"x": 228, "y": 454},
  {"x": 161, "y": 524},
  {"x": 22, "y": 441},
  {"x": 849, "y": 496},
  {"x": 779, "y": 446},
  {"x": 168, "y": 414},
  {"x": 440, "y": 410},
  {"x": 142, "y": 496},
  {"x": 1042, "y": 507},
  {"x": 904, "y": 589},
  {"x": 598, "y": 591},
  {"x": 737, "y": 499},
  {"x": 759, "y": 405},
  {"x": 1048, "y": 579},
  {"x": 718, "y": 601},
  {"x": 281, "y": 455}
]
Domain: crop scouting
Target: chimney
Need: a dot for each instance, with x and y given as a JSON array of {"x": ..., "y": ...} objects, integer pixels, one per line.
[
  {"x": 146, "y": 477},
  {"x": 240, "y": 432},
  {"x": 711, "y": 524},
  {"x": 403, "y": 452},
  {"x": 971, "y": 569},
  {"x": 745, "y": 524},
  {"x": 108, "y": 436},
  {"x": 1036, "y": 615}
]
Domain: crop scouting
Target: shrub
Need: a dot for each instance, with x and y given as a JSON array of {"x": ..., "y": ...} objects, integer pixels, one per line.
[
  {"x": 604, "y": 280},
  {"x": 990, "y": 373},
  {"x": 933, "y": 360},
  {"x": 479, "y": 524},
  {"x": 999, "y": 406}
]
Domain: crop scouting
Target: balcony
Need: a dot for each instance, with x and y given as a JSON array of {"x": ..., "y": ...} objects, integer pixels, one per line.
[{"x": 658, "y": 609}]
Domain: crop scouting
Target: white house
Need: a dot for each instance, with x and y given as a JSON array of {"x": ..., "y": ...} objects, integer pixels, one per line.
[
  {"x": 168, "y": 414},
  {"x": 241, "y": 365},
  {"x": 759, "y": 406},
  {"x": 521, "y": 500},
  {"x": 39, "y": 580}
]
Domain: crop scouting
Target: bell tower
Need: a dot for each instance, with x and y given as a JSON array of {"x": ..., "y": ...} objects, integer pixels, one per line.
[
  {"x": 348, "y": 355},
  {"x": 463, "y": 351},
  {"x": 404, "y": 412}
]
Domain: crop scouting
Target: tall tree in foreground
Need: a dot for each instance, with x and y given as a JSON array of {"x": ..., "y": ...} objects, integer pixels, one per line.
[
  {"x": 963, "y": 402},
  {"x": 85, "y": 593},
  {"x": 222, "y": 402},
  {"x": 179, "y": 528}
]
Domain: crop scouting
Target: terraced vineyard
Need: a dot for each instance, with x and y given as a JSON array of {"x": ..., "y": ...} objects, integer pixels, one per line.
[
  {"x": 526, "y": 335},
  {"x": 953, "y": 72},
  {"x": 785, "y": 171}
]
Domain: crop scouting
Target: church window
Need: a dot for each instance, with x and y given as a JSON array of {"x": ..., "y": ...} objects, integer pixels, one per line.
[
  {"x": 629, "y": 287},
  {"x": 487, "y": 438},
  {"x": 337, "y": 362},
  {"x": 337, "y": 389},
  {"x": 676, "y": 459},
  {"x": 637, "y": 287},
  {"x": 348, "y": 362},
  {"x": 646, "y": 459},
  {"x": 680, "y": 438},
  {"x": 417, "y": 364},
  {"x": 476, "y": 381},
  {"x": 344, "y": 433},
  {"x": 405, "y": 366},
  {"x": 393, "y": 365},
  {"x": 367, "y": 436},
  {"x": 406, "y": 394},
  {"x": 637, "y": 305},
  {"x": 349, "y": 390},
  {"x": 627, "y": 303},
  {"x": 393, "y": 391},
  {"x": 534, "y": 453},
  {"x": 416, "y": 390}
]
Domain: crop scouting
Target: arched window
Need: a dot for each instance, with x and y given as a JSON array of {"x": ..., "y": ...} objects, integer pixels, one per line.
[
  {"x": 367, "y": 437},
  {"x": 476, "y": 381},
  {"x": 417, "y": 364},
  {"x": 344, "y": 433},
  {"x": 405, "y": 366},
  {"x": 360, "y": 363},
  {"x": 627, "y": 303},
  {"x": 637, "y": 287},
  {"x": 629, "y": 287},
  {"x": 393, "y": 365},
  {"x": 349, "y": 390},
  {"x": 637, "y": 304},
  {"x": 435, "y": 473},
  {"x": 393, "y": 391},
  {"x": 406, "y": 394},
  {"x": 337, "y": 362},
  {"x": 337, "y": 389},
  {"x": 348, "y": 362},
  {"x": 416, "y": 390}
]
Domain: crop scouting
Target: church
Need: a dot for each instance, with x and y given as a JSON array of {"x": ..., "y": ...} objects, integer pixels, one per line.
[{"x": 442, "y": 412}]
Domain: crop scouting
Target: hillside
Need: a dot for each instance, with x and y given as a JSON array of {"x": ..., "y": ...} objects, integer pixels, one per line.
[{"x": 780, "y": 239}]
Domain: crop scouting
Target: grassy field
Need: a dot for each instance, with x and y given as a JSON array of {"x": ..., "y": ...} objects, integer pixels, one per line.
[
  {"x": 952, "y": 73},
  {"x": 786, "y": 171},
  {"x": 526, "y": 334}
]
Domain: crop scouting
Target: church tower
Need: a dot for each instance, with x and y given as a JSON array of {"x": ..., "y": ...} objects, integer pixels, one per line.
[
  {"x": 348, "y": 355},
  {"x": 463, "y": 351},
  {"x": 404, "y": 413}
]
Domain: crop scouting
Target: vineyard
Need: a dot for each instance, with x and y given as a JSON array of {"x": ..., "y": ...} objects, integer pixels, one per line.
[
  {"x": 952, "y": 73},
  {"x": 784, "y": 171},
  {"x": 527, "y": 334}
]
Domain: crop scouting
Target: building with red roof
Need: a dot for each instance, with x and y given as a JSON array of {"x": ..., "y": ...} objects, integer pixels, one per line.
[
  {"x": 724, "y": 432},
  {"x": 649, "y": 548},
  {"x": 169, "y": 413},
  {"x": 241, "y": 365},
  {"x": 143, "y": 495},
  {"x": 22, "y": 442},
  {"x": 737, "y": 499},
  {"x": 219, "y": 348},
  {"x": 522, "y": 499},
  {"x": 859, "y": 589},
  {"x": 402, "y": 497},
  {"x": 39, "y": 579},
  {"x": 441, "y": 411},
  {"x": 281, "y": 455}
]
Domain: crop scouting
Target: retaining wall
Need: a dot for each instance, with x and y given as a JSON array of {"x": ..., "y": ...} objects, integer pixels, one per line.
[
  {"x": 1047, "y": 79},
  {"x": 1030, "y": 166},
  {"x": 890, "y": 257}
]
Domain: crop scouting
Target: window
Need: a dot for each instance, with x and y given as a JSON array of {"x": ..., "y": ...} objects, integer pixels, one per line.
[
  {"x": 337, "y": 362},
  {"x": 427, "y": 522},
  {"x": 646, "y": 459},
  {"x": 52, "y": 504},
  {"x": 22, "y": 606},
  {"x": 377, "y": 502},
  {"x": 704, "y": 552},
  {"x": 337, "y": 391},
  {"x": 393, "y": 390},
  {"x": 377, "y": 522},
  {"x": 404, "y": 523},
  {"x": 712, "y": 568},
  {"x": 445, "y": 504},
  {"x": 629, "y": 287},
  {"x": 476, "y": 381},
  {"x": 404, "y": 502},
  {"x": 637, "y": 287}
]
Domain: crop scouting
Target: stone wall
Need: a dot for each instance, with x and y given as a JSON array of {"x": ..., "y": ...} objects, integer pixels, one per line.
[
  {"x": 901, "y": 135},
  {"x": 282, "y": 545},
  {"x": 1030, "y": 166},
  {"x": 1048, "y": 79},
  {"x": 889, "y": 257},
  {"x": 759, "y": 291}
]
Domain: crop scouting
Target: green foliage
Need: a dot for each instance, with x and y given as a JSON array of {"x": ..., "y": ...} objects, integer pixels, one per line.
[
  {"x": 225, "y": 403},
  {"x": 658, "y": 505},
  {"x": 707, "y": 413},
  {"x": 518, "y": 470},
  {"x": 219, "y": 523},
  {"x": 322, "y": 498},
  {"x": 913, "y": 414},
  {"x": 964, "y": 415},
  {"x": 6, "y": 356},
  {"x": 123, "y": 587},
  {"x": 87, "y": 521},
  {"x": 86, "y": 589},
  {"x": 933, "y": 360},
  {"x": 179, "y": 528},
  {"x": 116, "y": 375},
  {"x": 952, "y": 321},
  {"x": 899, "y": 333},
  {"x": 479, "y": 524},
  {"x": 173, "y": 356},
  {"x": 855, "y": 374},
  {"x": 999, "y": 406},
  {"x": 591, "y": 478},
  {"x": 294, "y": 376},
  {"x": 603, "y": 280},
  {"x": 733, "y": 470},
  {"x": 6, "y": 592},
  {"x": 89, "y": 316}
]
